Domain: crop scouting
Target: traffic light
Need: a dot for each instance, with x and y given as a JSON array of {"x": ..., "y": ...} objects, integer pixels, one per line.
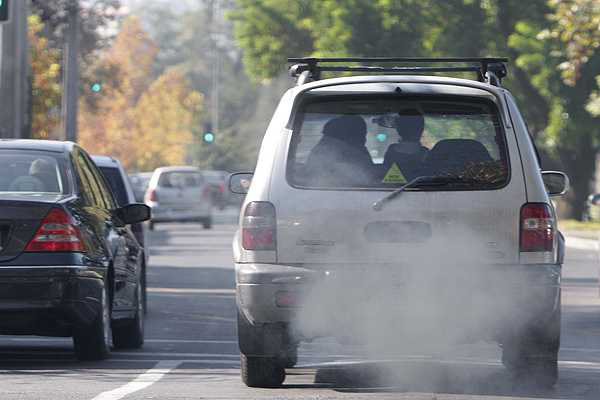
[
  {"x": 381, "y": 137},
  {"x": 4, "y": 14},
  {"x": 208, "y": 136},
  {"x": 95, "y": 87}
]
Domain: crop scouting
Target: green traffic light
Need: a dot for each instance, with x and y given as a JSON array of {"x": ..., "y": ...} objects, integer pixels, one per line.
[
  {"x": 96, "y": 87},
  {"x": 381, "y": 137},
  {"x": 209, "y": 137}
]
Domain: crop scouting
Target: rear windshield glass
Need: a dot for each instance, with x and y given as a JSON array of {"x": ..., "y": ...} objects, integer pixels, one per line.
[
  {"x": 32, "y": 172},
  {"x": 115, "y": 180},
  {"x": 180, "y": 179},
  {"x": 385, "y": 143}
]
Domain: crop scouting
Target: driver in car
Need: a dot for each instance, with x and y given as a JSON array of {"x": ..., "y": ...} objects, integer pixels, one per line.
[{"x": 408, "y": 154}]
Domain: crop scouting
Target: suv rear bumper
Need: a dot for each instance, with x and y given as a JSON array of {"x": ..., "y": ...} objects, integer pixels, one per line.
[
  {"x": 48, "y": 301},
  {"x": 506, "y": 298}
]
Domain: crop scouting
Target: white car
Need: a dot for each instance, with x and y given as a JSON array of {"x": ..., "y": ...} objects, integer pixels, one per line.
[
  {"x": 179, "y": 194},
  {"x": 398, "y": 211}
]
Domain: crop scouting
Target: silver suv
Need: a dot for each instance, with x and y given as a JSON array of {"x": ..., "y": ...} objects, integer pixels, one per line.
[{"x": 402, "y": 212}]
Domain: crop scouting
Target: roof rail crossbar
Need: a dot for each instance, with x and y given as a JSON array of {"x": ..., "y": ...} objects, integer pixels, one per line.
[{"x": 489, "y": 69}]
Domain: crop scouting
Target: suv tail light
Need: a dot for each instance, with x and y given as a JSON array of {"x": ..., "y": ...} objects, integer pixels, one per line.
[
  {"x": 258, "y": 226},
  {"x": 152, "y": 196},
  {"x": 537, "y": 227},
  {"x": 58, "y": 233}
]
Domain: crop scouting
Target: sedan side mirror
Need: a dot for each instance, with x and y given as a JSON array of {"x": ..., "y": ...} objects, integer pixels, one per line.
[
  {"x": 557, "y": 183},
  {"x": 134, "y": 213},
  {"x": 240, "y": 182},
  {"x": 594, "y": 199}
]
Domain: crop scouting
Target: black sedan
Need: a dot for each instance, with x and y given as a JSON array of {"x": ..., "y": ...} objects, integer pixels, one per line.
[{"x": 69, "y": 264}]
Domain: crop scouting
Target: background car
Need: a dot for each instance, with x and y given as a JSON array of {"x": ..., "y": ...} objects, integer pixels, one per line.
[
  {"x": 179, "y": 194},
  {"x": 218, "y": 184},
  {"x": 69, "y": 266},
  {"x": 115, "y": 175},
  {"x": 139, "y": 184}
]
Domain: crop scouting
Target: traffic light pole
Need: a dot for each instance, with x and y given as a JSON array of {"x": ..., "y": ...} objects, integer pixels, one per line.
[
  {"x": 14, "y": 72},
  {"x": 70, "y": 99}
]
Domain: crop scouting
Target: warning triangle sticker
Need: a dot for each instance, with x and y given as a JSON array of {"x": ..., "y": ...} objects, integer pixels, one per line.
[{"x": 394, "y": 175}]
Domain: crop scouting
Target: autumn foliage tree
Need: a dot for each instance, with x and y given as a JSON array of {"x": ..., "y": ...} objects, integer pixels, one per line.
[
  {"x": 45, "y": 85},
  {"x": 143, "y": 121}
]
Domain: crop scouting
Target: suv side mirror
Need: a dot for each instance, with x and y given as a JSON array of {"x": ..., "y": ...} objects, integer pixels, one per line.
[
  {"x": 557, "y": 183},
  {"x": 240, "y": 182},
  {"x": 134, "y": 213}
]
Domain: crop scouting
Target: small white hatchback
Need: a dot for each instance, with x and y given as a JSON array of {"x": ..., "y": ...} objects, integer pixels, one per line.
[
  {"x": 179, "y": 194},
  {"x": 398, "y": 211}
]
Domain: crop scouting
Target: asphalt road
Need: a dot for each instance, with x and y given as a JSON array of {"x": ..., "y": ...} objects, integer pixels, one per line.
[{"x": 191, "y": 346}]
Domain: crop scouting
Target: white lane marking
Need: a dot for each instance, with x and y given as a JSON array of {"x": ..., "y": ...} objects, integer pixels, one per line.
[
  {"x": 65, "y": 340},
  {"x": 114, "y": 360},
  {"x": 581, "y": 244},
  {"x": 172, "y": 354},
  {"x": 191, "y": 291},
  {"x": 141, "y": 382}
]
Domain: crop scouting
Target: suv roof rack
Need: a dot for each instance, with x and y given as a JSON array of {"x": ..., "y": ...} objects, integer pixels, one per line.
[{"x": 488, "y": 69}]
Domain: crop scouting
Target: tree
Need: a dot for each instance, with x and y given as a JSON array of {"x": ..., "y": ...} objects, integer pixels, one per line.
[
  {"x": 96, "y": 18},
  {"x": 553, "y": 45},
  {"x": 144, "y": 122},
  {"x": 167, "y": 121},
  {"x": 46, "y": 88}
]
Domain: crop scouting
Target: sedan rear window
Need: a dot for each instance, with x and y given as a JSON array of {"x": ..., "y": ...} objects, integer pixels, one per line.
[
  {"x": 31, "y": 172},
  {"x": 385, "y": 143}
]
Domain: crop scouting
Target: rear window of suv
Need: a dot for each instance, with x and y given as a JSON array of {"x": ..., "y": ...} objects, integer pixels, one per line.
[{"x": 383, "y": 143}]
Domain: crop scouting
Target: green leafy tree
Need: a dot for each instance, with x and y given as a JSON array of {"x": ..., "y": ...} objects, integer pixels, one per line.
[{"x": 553, "y": 46}]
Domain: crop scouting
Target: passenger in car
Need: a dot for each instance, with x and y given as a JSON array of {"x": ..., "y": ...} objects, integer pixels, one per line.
[
  {"x": 46, "y": 173},
  {"x": 408, "y": 154},
  {"x": 341, "y": 156}
]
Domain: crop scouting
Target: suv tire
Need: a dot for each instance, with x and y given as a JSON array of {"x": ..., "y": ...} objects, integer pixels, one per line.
[
  {"x": 93, "y": 342},
  {"x": 534, "y": 356},
  {"x": 262, "y": 372},
  {"x": 130, "y": 333}
]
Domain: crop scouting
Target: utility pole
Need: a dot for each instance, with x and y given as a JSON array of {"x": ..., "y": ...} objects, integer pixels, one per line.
[
  {"x": 70, "y": 99},
  {"x": 214, "y": 23},
  {"x": 14, "y": 73}
]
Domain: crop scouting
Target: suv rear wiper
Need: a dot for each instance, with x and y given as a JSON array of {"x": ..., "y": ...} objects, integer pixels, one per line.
[{"x": 420, "y": 181}]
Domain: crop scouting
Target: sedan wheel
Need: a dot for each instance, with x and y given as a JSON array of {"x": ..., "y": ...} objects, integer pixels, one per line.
[
  {"x": 93, "y": 342},
  {"x": 130, "y": 333}
]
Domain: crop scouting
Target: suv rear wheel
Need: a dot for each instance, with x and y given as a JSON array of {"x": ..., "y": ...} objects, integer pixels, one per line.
[
  {"x": 262, "y": 372},
  {"x": 534, "y": 356},
  {"x": 261, "y": 361}
]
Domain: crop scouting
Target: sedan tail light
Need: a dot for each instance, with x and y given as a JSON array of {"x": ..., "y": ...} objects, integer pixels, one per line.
[
  {"x": 259, "y": 226},
  {"x": 58, "y": 233},
  {"x": 537, "y": 228}
]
